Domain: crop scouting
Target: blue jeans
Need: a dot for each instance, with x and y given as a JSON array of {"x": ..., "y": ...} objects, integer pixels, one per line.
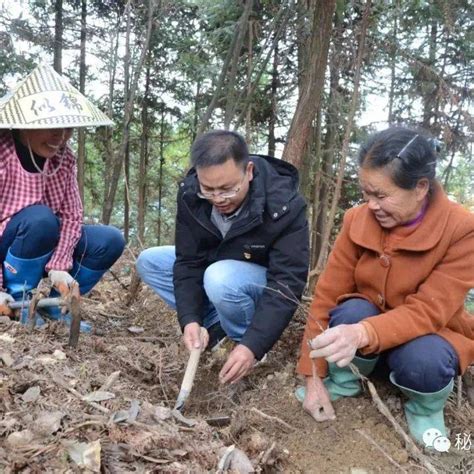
[
  {"x": 34, "y": 232},
  {"x": 425, "y": 364},
  {"x": 232, "y": 287}
]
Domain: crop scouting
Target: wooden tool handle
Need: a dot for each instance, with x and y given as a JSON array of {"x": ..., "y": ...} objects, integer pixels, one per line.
[
  {"x": 189, "y": 374},
  {"x": 191, "y": 368}
]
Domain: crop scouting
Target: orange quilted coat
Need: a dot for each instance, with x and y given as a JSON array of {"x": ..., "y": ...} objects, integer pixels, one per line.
[{"x": 419, "y": 282}]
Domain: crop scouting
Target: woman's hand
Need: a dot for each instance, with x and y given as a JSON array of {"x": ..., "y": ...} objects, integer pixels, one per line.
[
  {"x": 317, "y": 401},
  {"x": 339, "y": 344}
]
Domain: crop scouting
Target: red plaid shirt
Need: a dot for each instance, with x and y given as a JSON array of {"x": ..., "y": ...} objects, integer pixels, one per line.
[{"x": 19, "y": 189}]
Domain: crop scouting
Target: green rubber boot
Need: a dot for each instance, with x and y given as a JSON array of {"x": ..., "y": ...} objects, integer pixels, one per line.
[
  {"x": 425, "y": 411},
  {"x": 341, "y": 381}
]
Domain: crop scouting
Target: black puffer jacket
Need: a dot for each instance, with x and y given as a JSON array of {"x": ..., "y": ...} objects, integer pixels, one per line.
[{"x": 274, "y": 234}]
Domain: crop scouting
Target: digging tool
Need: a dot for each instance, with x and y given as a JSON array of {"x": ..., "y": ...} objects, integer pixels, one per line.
[
  {"x": 42, "y": 303},
  {"x": 70, "y": 302},
  {"x": 188, "y": 379}
]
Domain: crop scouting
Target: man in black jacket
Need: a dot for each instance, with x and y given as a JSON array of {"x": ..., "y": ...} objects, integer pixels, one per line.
[{"x": 241, "y": 258}]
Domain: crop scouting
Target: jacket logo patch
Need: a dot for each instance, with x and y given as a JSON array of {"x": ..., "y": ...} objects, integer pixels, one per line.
[
  {"x": 247, "y": 255},
  {"x": 10, "y": 268},
  {"x": 254, "y": 246}
]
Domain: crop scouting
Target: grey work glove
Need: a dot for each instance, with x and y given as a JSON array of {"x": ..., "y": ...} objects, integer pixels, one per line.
[
  {"x": 5, "y": 298},
  {"x": 62, "y": 281}
]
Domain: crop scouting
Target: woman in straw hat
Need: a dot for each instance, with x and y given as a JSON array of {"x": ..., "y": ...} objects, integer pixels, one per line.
[{"x": 41, "y": 228}]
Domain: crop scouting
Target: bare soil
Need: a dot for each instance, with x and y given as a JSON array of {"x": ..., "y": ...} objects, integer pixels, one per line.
[{"x": 47, "y": 426}]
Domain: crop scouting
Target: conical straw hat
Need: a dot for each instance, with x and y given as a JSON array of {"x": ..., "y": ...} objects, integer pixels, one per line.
[{"x": 44, "y": 99}]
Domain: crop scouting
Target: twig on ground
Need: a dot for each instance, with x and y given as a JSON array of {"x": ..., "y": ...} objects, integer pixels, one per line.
[
  {"x": 272, "y": 418},
  {"x": 459, "y": 393},
  {"x": 130, "y": 251},
  {"x": 409, "y": 443},
  {"x": 293, "y": 299},
  {"x": 112, "y": 316},
  {"x": 373, "y": 442},
  {"x": 149, "y": 458},
  {"x": 86, "y": 423},
  {"x": 161, "y": 339},
  {"x": 134, "y": 287},
  {"x": 268, "y": 453},
  {"x": 62, "y": 383},
  {"x": 160, "y": 378},
  {"x": 112, "y": 378},
  {"x": 43, "y": 450},
  {"x": 133, "y": 366},
  {"x": 116, "y": 278}
]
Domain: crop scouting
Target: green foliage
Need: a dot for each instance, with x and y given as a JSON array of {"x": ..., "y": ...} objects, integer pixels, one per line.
[{"x": 426, "y": 44}]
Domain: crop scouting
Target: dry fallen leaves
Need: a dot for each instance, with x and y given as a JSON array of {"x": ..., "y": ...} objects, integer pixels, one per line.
[
  {"x": 31, "y": 395},
  {"x": 98, "y": 396},
  {"x": 85, "y": 455}
]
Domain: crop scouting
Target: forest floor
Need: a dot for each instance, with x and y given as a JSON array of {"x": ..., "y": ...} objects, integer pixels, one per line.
[{"x": 105, "y": 406}]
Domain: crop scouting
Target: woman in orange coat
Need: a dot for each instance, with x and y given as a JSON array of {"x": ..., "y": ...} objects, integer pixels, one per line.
[{"x": 394, "y": 286}]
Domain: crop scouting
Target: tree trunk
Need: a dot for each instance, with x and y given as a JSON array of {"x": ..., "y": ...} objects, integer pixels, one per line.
[
  {"x": 323, "y": 186},
  {"x": 317, "y": 197},
  {"x": 429, "y": 87},
  {"x": 126, "y": 162},
  {"x": 81, "y": 140},
  {"x": 248, "y": 119},
  {"x": 58, "y": 36},
  {"x": 345, "y": 144},
  {"x": 219, "y": 85},
  {"x": 222, "y": 76},
  {"x": 109, "y": 156},
  {"x": 119, "y": 157},
  {"x": 307, "y": 162},
  {"x": 232, "y": 76},
  {"x": 310, "y": 96},
  {"x": 143, "y": 166},
  {"x": 304, "y": 10},
  {"x": 274, "y": 103},
  {"x": 283, "y": 15},
  {"x": 196, "y": 110},
  {"x": 160, "y": 175},
  {"x": 393, "y": 64}
]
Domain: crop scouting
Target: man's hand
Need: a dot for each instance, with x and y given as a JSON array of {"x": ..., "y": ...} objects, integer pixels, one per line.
[
  {"x": 5, "y": 298},
  {"x": 195, "y": 336},
  {"x": 317, "y": 401},
  {"x": 339, "y": 344},
  {"x": 239, "y": 363},
  {"x": 62, "y": 281}
]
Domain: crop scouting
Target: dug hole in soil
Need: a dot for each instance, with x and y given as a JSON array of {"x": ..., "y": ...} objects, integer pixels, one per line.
[{"x": 106, "y": 406}]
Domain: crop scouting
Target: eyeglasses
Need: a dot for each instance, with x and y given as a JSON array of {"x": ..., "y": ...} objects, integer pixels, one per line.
[{"x": 224, "y": 194}]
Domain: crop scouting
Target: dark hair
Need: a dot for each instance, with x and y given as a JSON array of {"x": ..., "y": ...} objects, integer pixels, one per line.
[
  {"x": 406, "y": 154},
  {"x": 218, "y": 146}
]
